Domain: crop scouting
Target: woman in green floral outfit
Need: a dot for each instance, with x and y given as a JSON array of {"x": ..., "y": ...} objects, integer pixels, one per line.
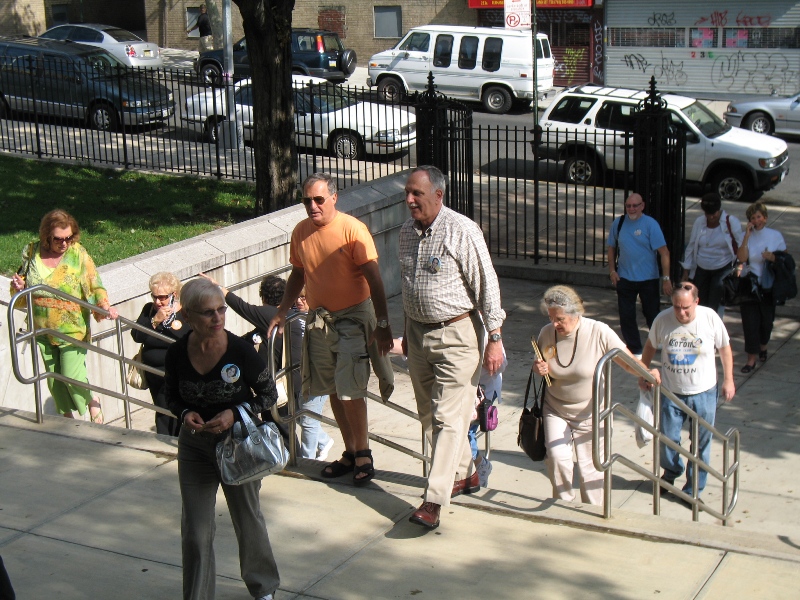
[{"x": 59, "y": 261}]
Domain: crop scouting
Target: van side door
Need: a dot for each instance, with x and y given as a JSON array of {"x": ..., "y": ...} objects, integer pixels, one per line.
[
  {"x": 59, "y": 88},
  {"x": 412, "y": 60},
  {"x": 456, "y": 74}
]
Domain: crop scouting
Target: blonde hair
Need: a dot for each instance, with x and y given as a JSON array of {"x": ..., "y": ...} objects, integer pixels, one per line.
[
  {"x": 754, "y": 208},
  {"x": 165, "y": 279},
  {"x": 563, "y": 297}
]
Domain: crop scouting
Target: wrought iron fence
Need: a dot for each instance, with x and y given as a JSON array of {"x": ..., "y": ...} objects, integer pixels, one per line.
[{"x": 166, "y": 120}]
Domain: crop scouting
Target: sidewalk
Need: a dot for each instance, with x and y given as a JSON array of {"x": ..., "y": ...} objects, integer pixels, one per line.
[{"x": 97, "y": 508}]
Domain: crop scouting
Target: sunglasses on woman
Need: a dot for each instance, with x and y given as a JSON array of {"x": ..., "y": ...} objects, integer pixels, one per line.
[{"x": 62, "y": 240}]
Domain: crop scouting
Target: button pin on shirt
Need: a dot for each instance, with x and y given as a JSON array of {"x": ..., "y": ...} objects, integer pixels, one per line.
[{"x": 434, "y": 264}]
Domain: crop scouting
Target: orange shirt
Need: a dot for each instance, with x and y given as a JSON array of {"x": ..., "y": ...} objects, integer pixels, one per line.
[{"x": 331, "y": 257}]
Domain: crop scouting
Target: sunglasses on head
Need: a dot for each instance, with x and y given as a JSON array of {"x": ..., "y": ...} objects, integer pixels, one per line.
[{"x": 318, "y": 200}]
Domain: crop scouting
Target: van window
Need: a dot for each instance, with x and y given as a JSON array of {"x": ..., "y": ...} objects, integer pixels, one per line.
[
  {"x": 542, "y": 48},
  {"x": 443, "y": 51},
  {"x": 19, "y": 60},
  {"x": 416, "y": 42},
  {"x": 571, "y": 109},
  {"x": 492, "y": 49},
  {"x": 616, "y": 116},
  {"x": 56, "y": 67},
  {"x": 468, "y": 53}
]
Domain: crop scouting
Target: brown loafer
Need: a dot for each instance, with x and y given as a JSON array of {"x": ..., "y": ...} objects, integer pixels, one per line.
[
  {"x": 470, "y": 485},
  {"x": 427, "y": 515}
]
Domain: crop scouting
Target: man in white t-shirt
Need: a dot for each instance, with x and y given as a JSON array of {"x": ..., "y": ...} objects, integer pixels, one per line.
[{"x": 688, "y": 335}]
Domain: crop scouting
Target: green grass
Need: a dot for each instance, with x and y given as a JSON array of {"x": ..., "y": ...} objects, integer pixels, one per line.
[{"x": 121, "y": 213}]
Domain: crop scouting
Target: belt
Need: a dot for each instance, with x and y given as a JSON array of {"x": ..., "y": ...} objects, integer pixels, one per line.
[{"x": 441, "y": 324}]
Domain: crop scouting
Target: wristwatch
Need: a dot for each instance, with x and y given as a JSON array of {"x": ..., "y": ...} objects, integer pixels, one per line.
[
  {"x": 665, "y": 278},
  {"x": 383, "y": 323},
  {"x": 495, "y": 337}
]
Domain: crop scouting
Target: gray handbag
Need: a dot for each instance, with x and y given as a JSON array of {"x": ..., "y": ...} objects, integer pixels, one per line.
[{"x": 249, "y": 453}]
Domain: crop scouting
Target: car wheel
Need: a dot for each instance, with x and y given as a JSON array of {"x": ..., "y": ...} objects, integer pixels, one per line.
[
  {"x": 732, "y": 184},
  {"x": 347, "y": 62},
  {"x": 758, "y": 122},
  {"x": 391, "y": 89},
  {"x": 103, "y": 117},
  {"x": 497, "y": 100},
  {"x": 581, "y": 170},
  {"x": 211, "y": 74},
  {"x": 346, "y": 144}
]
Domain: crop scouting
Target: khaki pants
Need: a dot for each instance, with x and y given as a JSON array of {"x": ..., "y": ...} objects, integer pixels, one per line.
[
  {"x": 206, "y": 42},
  {"x": 444, "y": 365}
]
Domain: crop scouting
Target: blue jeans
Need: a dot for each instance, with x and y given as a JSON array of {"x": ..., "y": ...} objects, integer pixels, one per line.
[
  {"x": 650, "y": 294},
  {"x": 472, "y": 436},
  {"x": 672, "y": 420},
  {"x": 312, "y": 436}
]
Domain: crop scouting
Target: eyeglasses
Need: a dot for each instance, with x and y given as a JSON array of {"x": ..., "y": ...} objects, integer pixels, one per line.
[
  {"x": 64, "y": 240},
  {"x": 162, "y": 297},
  {"x": 209, "y": 314},
  {"x": 318, "y": 200},
  {"x": 634, "y": 205}
]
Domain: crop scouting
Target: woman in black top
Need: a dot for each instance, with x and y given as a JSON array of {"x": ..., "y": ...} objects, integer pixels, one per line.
[
  {"x": 208, "y": 373},
  {"x": 163, "y": 316}
]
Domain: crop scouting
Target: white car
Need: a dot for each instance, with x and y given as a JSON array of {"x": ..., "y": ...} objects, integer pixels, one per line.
[
  {"x": 327, "y": 117},
  {"x": 129, "y": 49}
]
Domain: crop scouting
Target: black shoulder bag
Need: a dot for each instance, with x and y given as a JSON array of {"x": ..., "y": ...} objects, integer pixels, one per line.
[{"x": 531, "y": 423}]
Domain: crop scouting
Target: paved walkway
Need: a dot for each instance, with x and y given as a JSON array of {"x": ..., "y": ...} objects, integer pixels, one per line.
[{"x": 94, "y": 511}]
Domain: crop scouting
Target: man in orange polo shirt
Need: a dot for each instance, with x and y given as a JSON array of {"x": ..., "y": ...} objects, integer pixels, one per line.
[{"x": 334, "y": 256}]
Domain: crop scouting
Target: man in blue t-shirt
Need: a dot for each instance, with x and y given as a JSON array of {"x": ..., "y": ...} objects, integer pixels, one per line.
[{"x": 635, "y": 243}]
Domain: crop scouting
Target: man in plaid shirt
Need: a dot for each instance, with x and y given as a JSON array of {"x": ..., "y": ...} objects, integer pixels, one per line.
[{"x": 447, "y": 277}]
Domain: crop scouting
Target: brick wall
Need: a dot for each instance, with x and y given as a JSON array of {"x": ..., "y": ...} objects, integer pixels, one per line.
[
  {"x": 358, "y": 25},
  {"x": 174, "y": 34},
  {"x": 18, "y": 17}
]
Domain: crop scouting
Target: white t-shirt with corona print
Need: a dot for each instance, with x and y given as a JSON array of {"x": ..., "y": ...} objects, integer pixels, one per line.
[{"x": 687, "y": 351}]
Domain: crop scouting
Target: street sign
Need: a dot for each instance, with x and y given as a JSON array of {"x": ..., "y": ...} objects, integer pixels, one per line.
[{"x": 517, "y": 14}]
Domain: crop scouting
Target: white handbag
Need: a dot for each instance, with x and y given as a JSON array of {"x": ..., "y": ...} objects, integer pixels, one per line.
[
  {"x": 136, "y": 378},
  {"x": 249, "y": 453}
]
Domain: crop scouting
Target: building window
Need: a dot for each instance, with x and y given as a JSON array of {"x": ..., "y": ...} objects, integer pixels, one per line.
[
  {"x": 192, "y": 14},
  {"x": 388, "y": 21},
  {"x": 651, "y": 37},
  {"x": 761, "y": 37},
  {"x": 60, "y": 14},
  {"x": 703, "y": 37}
]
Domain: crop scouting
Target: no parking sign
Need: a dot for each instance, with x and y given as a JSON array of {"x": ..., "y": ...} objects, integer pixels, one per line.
[{"x": 517, "y": 14}]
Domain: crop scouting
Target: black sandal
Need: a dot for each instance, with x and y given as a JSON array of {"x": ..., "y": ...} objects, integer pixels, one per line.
[
  {"x": 337, "y": 469},
  {"x": 748, "y": 368},
  {"x": 762, "y": 356},
  {"x": 368, "y": 470}
]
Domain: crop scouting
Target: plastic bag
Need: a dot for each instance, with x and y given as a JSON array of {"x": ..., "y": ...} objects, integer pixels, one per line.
[{"x": 644, "y": 410}]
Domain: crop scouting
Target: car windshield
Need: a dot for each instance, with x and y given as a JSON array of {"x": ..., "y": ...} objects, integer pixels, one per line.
[
  {"x": 102, "y": 63},
  {"x": 706, "y": 121},
  {"x": 122, "y": 35},
  {"x": 327, "y": 98}
]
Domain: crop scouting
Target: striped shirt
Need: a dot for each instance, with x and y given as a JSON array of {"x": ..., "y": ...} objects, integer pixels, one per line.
[{"x": 446, "y": 271}]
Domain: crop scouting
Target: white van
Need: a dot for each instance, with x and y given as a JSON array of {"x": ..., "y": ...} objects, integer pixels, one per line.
[{"x": 493, "y": 66}]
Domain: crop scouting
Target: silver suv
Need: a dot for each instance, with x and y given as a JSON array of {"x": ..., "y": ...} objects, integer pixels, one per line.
[{"x": 585, "y": 128}]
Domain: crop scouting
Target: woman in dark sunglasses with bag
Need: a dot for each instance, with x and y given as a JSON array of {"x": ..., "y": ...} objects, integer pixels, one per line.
[
  {"x": 571, "y": 347},
  {"x": 210, "y": 372},
  {"x": 756, "y": 252},
  {"x": 163, "y": 316}
]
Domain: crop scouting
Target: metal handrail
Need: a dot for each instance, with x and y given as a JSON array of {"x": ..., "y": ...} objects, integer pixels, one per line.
[
  {"x": 730, "y": 471},
  {"x": 18, "y": 336}
]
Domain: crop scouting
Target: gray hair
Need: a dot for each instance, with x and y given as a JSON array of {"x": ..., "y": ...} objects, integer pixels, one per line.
[
  {"x": 436, "y": 177},
  {"x": 197, "y": 291},
  {"x": 565, "y": 298},
  {"x": 165, "y": 279},
  {"x": 315, "y": 177}
]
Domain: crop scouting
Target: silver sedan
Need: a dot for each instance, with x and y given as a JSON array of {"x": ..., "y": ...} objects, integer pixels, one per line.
[
  {"x": 766, "y": 114},
  {"x": 128, "y": 48}
]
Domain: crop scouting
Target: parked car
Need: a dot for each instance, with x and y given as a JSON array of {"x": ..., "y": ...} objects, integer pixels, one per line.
[
  {"x": 66, "y": 79},
  {"x": 585, "y": 127},
  {"x": 128, "y": 48},
  {"x": 315, "y": 52},
  {"x": 766, "y": 114},
  {"x": 327, "y": 117}
]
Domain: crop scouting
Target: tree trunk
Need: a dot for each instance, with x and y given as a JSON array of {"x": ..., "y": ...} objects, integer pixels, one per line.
[{"x": 268, "y": 29}]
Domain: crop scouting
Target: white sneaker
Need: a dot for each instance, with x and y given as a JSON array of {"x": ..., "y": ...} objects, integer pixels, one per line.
[
  {"x": 267, "y": 597},
  {"x": 322, "y": 453},
  {"x": 484, "y": 470}
]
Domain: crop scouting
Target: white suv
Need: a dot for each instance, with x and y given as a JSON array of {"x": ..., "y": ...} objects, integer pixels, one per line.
[{"x": 585, "y": 127}]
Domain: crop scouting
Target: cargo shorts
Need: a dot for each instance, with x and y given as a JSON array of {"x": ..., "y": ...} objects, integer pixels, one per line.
[{"x": 339, "y": 364}]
